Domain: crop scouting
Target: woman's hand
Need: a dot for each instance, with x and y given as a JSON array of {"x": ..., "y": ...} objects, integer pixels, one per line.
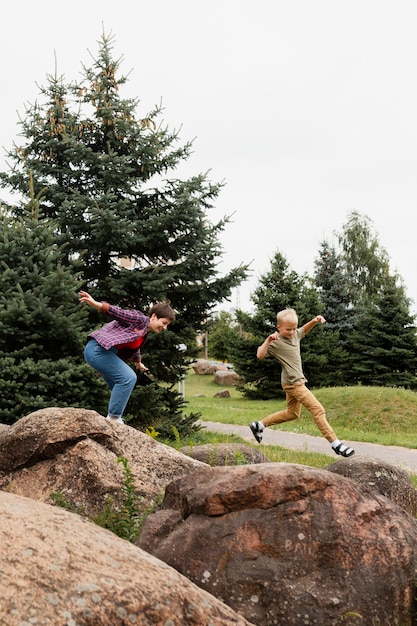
[
  {"x": 140, "y": 366},
  {"x": 87, "y": 299}
]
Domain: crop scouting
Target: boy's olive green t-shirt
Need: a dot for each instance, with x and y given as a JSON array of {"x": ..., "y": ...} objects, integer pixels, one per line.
[{"x": 287, "y": 352}]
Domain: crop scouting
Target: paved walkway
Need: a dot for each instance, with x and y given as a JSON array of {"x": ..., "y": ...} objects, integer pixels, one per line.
[{"x": 396, "y": 455}]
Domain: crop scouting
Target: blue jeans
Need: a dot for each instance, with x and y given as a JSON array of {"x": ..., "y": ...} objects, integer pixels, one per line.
[{"x": 116, "y": 373}]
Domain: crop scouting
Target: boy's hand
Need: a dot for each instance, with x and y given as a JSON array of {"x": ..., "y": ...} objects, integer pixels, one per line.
[
  {"x": 320, "y": 319},
  {"x": 262, "y": 351}
]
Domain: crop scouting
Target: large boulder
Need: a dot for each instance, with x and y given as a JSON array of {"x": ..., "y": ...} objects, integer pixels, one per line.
[
  {"x": 288, "y": 544},
  {"x": 203, "y": 367},
  {"x": 60, "y": 570},
  {"x": 390, "y": 480},
  {"x": 74, "y": 452},
  {"x": 227, "y": 378}
]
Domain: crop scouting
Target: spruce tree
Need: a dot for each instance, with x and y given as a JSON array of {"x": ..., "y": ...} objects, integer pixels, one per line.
[
  {"x": 386, "y": 353},
  {"x": 365, "y": 267},
  {"x": 332, "y": 286},
  {"x": 42, "y": 326},
  {"x": 331, "y": 282},
  {"x": 108, "y": 182}
]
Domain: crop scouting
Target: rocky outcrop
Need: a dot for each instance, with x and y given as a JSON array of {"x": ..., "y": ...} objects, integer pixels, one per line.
[
  {"x": 288, "y": 544},
  {"x": 280, "y": 543},
  {"x": 60, "y": 570},
  {"x": 389, "y": 480},
  {"x": 225, "y": 454},
  {"x": 74, "y": 452}
]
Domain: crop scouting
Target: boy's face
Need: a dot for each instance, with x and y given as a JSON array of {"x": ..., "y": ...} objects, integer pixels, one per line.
[
  {"x": 157, "y": 324},
  {"x": 287, "y": 328}
]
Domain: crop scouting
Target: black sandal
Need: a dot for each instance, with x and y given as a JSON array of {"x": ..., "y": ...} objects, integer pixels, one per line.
[
  {"x": 344, "y": 450},
  {"x": 256, "y": 431}
]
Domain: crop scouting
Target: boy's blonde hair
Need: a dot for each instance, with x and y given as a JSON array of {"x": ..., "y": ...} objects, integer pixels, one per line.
[{"x": 287, "y": 315}]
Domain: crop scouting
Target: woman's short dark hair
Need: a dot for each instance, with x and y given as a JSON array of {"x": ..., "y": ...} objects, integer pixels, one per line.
[{"x": 162, "y": 309}]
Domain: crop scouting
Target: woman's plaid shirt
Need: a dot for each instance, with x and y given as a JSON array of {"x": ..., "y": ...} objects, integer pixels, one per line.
[{"x": 126, "y": 326}]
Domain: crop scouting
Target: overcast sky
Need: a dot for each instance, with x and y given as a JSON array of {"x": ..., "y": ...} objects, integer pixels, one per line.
[{"x": 306, "y": 109}]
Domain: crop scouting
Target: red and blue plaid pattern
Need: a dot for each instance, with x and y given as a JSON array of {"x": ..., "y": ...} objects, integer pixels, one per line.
[{"x": 126, "y": 326}]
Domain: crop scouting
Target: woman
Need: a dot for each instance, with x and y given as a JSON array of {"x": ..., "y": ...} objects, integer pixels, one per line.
[{"x": 119, "y": 341}]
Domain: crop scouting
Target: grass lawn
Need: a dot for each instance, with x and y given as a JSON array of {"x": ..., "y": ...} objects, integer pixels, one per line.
[{"x": 380, "y": 415}]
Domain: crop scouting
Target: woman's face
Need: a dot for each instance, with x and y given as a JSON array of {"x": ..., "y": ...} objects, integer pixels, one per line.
[{"x": 158, "y": 324}]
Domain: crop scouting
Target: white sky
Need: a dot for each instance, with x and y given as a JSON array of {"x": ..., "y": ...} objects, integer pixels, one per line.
[{"x": 307, "y": 109}]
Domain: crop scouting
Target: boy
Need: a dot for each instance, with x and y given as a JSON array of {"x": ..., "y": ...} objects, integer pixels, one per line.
[
  {"x": 119, "y": 341},
  {"x": 284, "y": 345}
]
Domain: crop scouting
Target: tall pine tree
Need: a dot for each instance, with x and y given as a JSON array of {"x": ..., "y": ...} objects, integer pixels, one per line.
[
  {"x": 332, "y": 286},
  {"x": 42, "y": 326},
  {"x": 108, "y": 183},
  {"x": 383, "y": 351},
  {"x": 331, "y": 282},
  {"x": 376, "y": 296}
]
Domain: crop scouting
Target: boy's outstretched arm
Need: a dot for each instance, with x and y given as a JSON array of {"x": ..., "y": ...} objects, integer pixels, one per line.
[
  {"x": 263, "y": 349},
  {"x": 316, "y": 320}
]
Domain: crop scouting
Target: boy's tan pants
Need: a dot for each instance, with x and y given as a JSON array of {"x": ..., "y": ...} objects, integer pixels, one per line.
[{"x": 298, "y": 396}]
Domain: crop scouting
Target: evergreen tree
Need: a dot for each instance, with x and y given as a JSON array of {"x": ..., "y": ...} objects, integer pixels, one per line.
[
  {"x": 366, "y": 269},
  {"x": 160, "y": 411},
  {"x": 331, "y": 283},
  {"x": 102, "y": 182},
  {"x": 277, "y": 289},
  {"x": 108, "y": 183},
  {"x": 42, "y": 326},
  {"x": 386, "y": 354}
]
